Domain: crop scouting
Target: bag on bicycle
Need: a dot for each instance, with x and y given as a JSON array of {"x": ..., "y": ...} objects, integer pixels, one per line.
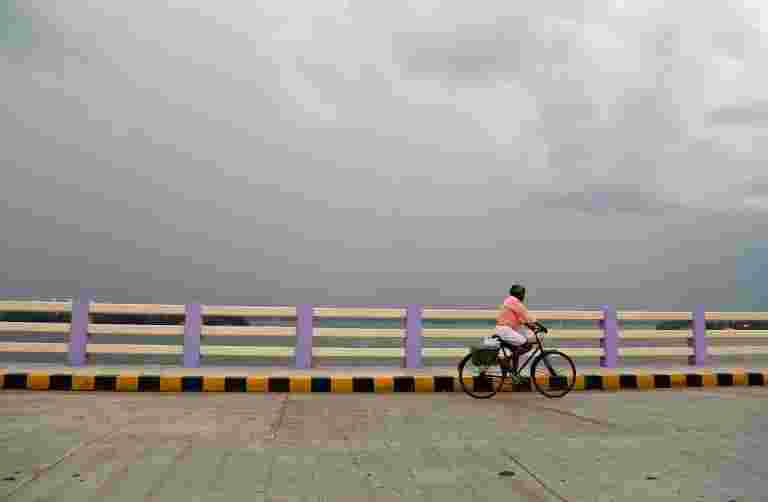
[{"x": 484, "y": 356}]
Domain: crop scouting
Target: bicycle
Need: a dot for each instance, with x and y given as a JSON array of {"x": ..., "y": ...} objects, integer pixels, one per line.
[{"x": 559, "y": 372}]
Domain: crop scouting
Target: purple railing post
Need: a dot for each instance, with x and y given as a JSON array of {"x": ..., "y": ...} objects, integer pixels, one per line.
[
  {"x": 698, "y": 340},
  {"x": 193, "y": 327},
  {"x": 413, "y": 340},
  {"x": 610, "y": 340},
  {"x": 305, "y": 315},
  {"x": 78, "y": 331}
]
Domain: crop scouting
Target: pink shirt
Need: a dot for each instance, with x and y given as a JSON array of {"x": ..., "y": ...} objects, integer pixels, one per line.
[{"x": 513, "y": 314}]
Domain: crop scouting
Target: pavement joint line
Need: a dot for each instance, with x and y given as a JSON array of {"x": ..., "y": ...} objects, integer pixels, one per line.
[
  {"x": 535, "y": 477},
  {"x": 275, "y": 426},
  {"x": 43, "y": 469}
]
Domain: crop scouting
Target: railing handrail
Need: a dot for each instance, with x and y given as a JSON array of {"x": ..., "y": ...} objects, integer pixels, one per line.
[{"x": 412, "y": 332}]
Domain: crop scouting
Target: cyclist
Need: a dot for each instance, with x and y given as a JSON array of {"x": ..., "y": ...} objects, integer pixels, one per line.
[
  {"x": 514, "y": 322},
  {"x": 513, "y": 318}
]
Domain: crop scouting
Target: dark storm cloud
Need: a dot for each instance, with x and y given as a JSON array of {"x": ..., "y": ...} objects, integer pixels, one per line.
[{"x": 380, "y": 152}]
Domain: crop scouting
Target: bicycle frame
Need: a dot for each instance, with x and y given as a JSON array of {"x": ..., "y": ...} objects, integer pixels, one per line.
[{"x": 516, "y": 357}]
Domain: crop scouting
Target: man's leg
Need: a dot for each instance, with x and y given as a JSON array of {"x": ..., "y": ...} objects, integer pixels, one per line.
[{"x": 515, "y": 339}]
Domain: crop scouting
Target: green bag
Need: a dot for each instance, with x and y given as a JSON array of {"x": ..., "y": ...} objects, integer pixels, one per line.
[{"x": 485, "y": 356}]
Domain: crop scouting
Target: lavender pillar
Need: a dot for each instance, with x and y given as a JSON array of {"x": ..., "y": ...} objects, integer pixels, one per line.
[
  {"x": 610, "y": 340},
  {"x": 413, "y": 340},
  {"x": 698, "y": 339},
  {"x": 304, "y": 330},
  {"x": 193, "y": 327},
  {"x": 78, "y": 331}
]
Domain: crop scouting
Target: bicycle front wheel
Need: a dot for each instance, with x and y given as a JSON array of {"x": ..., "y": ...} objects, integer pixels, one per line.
[
  {"x": 553, "y": 373},
  {"x": 481, "y": 382}
]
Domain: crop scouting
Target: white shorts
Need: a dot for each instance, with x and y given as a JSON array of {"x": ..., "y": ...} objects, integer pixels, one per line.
[{"x": 511, "y": 336}]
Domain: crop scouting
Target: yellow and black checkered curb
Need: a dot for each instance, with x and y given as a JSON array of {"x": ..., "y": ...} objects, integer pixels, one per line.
[{"x": 356, "y": 384}]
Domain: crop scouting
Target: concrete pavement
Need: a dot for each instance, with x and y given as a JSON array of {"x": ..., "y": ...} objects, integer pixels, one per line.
[{"x": 693, "y": 445}]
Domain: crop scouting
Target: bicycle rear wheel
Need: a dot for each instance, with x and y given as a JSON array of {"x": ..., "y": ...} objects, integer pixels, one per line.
[
  {"x": 484, "y": 381},
  {"x": 553, "y": 373}
]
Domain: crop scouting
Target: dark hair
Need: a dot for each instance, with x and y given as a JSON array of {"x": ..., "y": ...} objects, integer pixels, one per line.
[{"x": 517, "y": 291}]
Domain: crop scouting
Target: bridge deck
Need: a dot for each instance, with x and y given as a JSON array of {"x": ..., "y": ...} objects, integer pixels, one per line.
[{"x": 686, "y": 445}]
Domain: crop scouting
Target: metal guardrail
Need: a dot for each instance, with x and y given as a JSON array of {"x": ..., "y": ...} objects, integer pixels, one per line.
[{"x": 411, "y": 334}]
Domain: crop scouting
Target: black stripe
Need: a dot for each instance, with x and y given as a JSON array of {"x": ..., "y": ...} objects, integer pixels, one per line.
[
  {"x": 694, "y": 380},
  {"x": 593, "y": 382},
  {"x": 443, "y": 384},
  {"x": 191, "y": 384},
  {"x": 480, "y": 384},
  {"x": 321, "y": 384},
  {"x": 724, "y": 379},
  {"x": 558, "y": 382},
  {"x": 105, "y": 382},
  {"x": 362, "y": 384},
  {"x": 525, "y": 385},
  {"x": 149, "y": 383},
  {"x": 404, "y": 384},
  {"x": 278, "y": 384},
  {"x": 60, "y": 382},
  {"x": 628, "y": 382},
  {"x": 15, "y": 381},
  {"x": 755, "y": 379},
  {"x": 662, "y": 381},
  {"x": 235, "y": 384}
]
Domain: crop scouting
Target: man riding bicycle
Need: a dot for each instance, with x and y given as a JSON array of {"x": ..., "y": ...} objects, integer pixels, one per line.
[
  {"x": 551, "y": 371},
  {"x": 514, "y": 321}
]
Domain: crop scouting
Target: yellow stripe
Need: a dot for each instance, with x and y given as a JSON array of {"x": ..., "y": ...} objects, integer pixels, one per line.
[
  {"x": 213, "y": 384},
  {"x": 127, "y": 383},
  {"x": 677, "y": 380},
  {"x": 300, "y": 384},
  {"x": 384, "y": 384},
  {"x": 38, "y": 381},
  {"x": 545, "y": 382},
  {"x": 256, "y": 384},
  {"x": 170, "y": 384},
  {"x": 739, "y": 379},
  {"x": 580, "y": 383},
  {"x": 709, "y": 380},
  {"x": 424, "y": 384},
  {"x": 645, "y": 382},
  {"x": 611, "y": 382},
  {"x": 83, "y": 382},
  {"x": 341, "y": 384}
]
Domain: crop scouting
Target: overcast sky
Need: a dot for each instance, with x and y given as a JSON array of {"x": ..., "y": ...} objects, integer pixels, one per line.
[{"x": 386, "y": 152}]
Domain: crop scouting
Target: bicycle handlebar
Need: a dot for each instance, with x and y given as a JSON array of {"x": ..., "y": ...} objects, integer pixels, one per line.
[{"x": 537, "y": 327}]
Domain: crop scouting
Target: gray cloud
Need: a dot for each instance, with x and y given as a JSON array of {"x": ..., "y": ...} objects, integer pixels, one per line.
[
  {"x": 379, "y": 152},
  {"x": 602, "y": 200},
  {"x": 754, "y": 113}
]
